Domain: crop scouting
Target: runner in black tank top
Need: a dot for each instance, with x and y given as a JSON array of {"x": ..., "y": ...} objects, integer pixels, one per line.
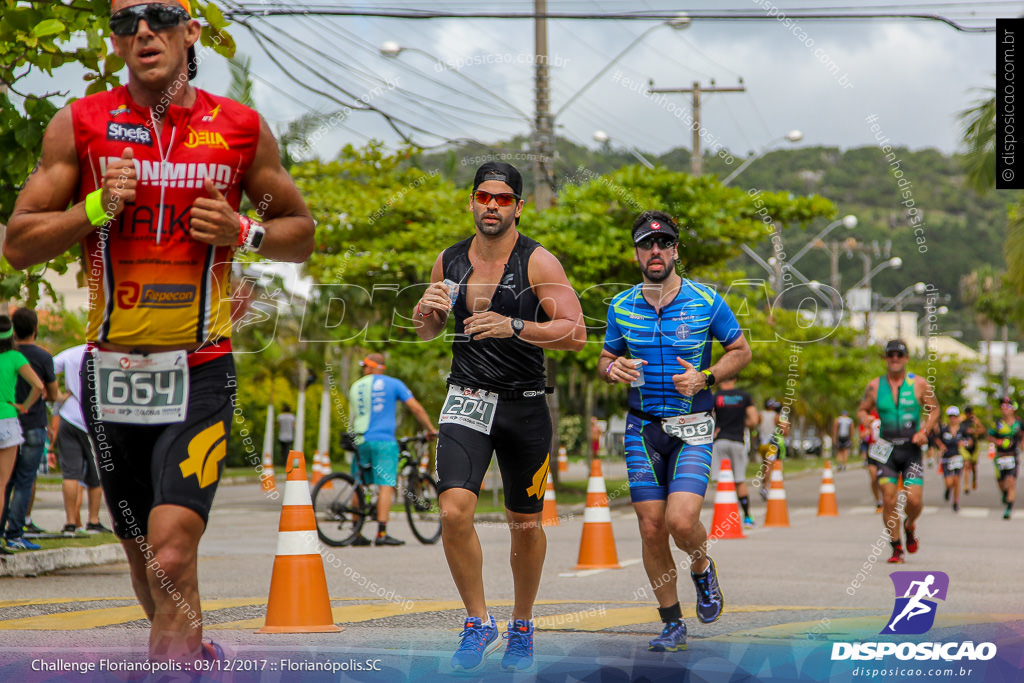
[{"x": 511, "y": 301}]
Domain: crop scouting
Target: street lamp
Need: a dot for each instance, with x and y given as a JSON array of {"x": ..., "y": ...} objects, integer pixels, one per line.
[
  {"x": 792, "y": 136},
  {"x": 897, "y": 301},
  {"x": 605, "y": 141},
  {"x": 848, "y": 221},
  {"x": 392, "y": 49}
]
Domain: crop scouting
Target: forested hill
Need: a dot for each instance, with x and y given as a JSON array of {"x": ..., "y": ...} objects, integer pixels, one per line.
[{"x": 961, "y": 230}]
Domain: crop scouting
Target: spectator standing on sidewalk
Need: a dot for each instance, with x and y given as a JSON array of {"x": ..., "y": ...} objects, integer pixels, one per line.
[{"x": 285, "y": 432}]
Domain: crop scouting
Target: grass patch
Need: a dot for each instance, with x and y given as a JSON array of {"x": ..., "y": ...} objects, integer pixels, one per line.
[{"x": 86, "y": 541}]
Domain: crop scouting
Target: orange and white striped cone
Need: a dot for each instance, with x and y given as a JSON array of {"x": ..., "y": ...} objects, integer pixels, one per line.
[
  {"x": 597, "y": 545},
  {"x": 267, "y": 481},
  {"x": 827, "y": 505},
  {"x": 563, "y": 460},
  {"x": 299, "y": 601},
  {"x": 550, "y": 515},
  {"x": 778, "y": 510},
  {"x": 726, "y": 520},
  {"x": 318, "y": 473}
]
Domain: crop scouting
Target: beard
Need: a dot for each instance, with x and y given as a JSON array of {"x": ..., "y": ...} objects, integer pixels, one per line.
[
  {"x": 660, "y": 276},
  {"x": 494, "y": 229}
]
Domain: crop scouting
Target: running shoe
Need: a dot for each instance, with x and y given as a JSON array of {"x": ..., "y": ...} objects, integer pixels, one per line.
[
  {"x": 911, "y": 539},
  {"x": 897, "y": 556},
  {"x": 764, "y": 494},
  {"x": 478, "y": 641},
  {"x": 32, "y": 530},
  {"x": 387, "y": 539},
  {"x": 956, "y": 507},
  {"x": 519, "y": 652},
  {"x": 21, "y": 543},
  {"x": 69, "y": 531},
  {"x": 211, "y": 651},
  {"x": 1006, "y": 515},
  {"x": 748, "y": 522},
  {"x": 878, "y": 508},
  {"x": 966, "y": 490},
  {"x": 97, "y": 528},
  {"x": 945, "y": 496},
  {"x": 360, "y": 541},
  {"x": 672, "y": 638},
  {"x": 709, "y": 594}
]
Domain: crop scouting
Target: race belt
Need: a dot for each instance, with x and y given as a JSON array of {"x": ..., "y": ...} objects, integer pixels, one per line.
[
  {"x": 134, "y": 388},
  {"x": 696, "y": 429}
]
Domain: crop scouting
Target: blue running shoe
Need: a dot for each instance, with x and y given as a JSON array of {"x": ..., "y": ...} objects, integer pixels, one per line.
[
  {"x": 672, "y": 638},
  {"x": 519, "y": 653},
  {"x": 478, "y": 641},
  {"x": 709, "y": 594},
  {"x": 22, "y": 543}
]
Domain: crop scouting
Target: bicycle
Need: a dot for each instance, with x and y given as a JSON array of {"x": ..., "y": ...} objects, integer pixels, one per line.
[{"x": 342, "y": 505}]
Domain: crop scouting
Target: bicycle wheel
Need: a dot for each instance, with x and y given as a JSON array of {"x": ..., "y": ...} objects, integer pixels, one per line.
[
  {"x": 422, "y": 508},
  {"x": 337, "y": 505}
]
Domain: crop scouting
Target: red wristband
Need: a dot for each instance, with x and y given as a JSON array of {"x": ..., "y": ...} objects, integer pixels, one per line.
[
  {"x": 421, "y": 314},
  {"x": 243, "y": 229}
]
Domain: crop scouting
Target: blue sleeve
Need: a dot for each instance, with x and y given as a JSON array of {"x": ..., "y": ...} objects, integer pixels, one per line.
[
  {"x": 402, "y": 391},
  {"x": 614, "y": 342},
  {"x": 724, "y": 327}
]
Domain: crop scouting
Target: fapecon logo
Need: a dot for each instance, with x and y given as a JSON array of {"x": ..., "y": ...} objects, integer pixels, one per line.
[{"x": 167, "y": 296}]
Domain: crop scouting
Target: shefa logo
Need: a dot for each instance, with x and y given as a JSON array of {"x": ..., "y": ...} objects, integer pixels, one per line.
[
  {"x": 206, "y": 138},
  {"x": 913, "y": 613},
  {"x": 136, "y": 133}
]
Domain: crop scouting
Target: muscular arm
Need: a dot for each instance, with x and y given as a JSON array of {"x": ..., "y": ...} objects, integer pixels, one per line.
[
  {"x": 736, "y": 357},
  {"x": 284, "y": 214},
  {"x": 42, "y": 226},
  {"x": 417, "y": 410},
  {"x": 431, "y": 312},
  {"x": 926, "y": 396},
  {"x": 565, "y": 329},
  {"x": 867, "y": 403}
]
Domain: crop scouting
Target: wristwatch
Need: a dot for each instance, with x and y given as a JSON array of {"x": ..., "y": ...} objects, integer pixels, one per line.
[
  {"x": 709, "y": 378},
  {"x": 254, "y": 239},
  {"x": 517, "y": 326}
]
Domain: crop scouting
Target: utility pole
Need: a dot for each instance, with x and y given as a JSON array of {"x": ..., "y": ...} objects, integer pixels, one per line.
[
  {"x": 696, "y": 163},
  {"x": 542, "y": 148}
]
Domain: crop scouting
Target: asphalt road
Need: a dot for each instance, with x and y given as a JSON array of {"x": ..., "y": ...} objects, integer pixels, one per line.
[{"x": 790, "y": 593}]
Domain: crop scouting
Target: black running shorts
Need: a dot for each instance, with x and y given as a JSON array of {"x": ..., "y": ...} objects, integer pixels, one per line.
[
  {"x": 904, "y": 460},
  {"x": 142, "y": 466},
  {"x": 521, "y": 437}
]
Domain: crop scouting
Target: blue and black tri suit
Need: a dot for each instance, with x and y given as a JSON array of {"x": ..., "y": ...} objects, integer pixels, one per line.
[{"x": 659, "y": 464}]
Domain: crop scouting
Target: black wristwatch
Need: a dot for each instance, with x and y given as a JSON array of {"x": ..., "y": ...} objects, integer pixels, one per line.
[
  {"x": 709, "y": 378},
  {"x": 517, "y": 326}
]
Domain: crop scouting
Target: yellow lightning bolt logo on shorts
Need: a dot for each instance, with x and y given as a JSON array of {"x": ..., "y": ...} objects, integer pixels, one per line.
[
  {"x": 540, "y": 479},
  {"x": 205, "y": 451}
]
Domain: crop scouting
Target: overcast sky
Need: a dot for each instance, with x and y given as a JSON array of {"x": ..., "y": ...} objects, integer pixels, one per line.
[{"x": 820, "y": 77}]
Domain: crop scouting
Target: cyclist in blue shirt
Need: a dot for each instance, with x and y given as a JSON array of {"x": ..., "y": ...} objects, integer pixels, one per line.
[
  {"x": 668, "y": 323},
  {"x": 373, "y": 400}
]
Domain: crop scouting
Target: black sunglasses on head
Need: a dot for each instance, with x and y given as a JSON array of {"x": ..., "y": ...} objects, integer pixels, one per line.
[
  {"x": 663, "y": 242},
  {"x": 157, "y": 15}
]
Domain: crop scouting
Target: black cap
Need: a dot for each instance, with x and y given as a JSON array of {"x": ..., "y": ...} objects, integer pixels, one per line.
[
  {"x": 502, "y": 172},
  {"x": 655, "y": 226},
  {"x": 896, "y": 345}
]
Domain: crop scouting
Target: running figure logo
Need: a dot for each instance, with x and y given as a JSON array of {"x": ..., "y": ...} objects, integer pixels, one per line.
[{"x": 913, "y": 612}]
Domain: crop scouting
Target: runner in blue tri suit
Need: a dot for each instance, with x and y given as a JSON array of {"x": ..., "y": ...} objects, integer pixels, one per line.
[{"x": 669, "y": 324}]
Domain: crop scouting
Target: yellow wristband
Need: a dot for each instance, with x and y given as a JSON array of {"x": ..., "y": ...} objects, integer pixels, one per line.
[{"x": 94, "y": 208}]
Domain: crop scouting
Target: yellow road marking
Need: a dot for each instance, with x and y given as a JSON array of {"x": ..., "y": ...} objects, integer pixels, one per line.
[
  {"x": 54, "y": 601},
  {"x": 94, "y": 618}
]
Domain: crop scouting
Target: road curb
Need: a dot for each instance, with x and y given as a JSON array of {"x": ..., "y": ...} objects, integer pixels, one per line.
[{"x": 33, "y": 563}]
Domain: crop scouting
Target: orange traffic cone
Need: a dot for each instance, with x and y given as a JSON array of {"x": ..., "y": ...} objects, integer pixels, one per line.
[
  {"x": 317, "y": 469},
  {"x": 563, "y": 460},
  {"x": 299, "y": 601},
  {"x": 726, "y": 520},
  {"x": 267, "y": 481},
  {"x": 778, "y": 511},
  {"x": 597, "y": 545},
  {"x": 827, "y": 506},
  {"x": 550, "y": 514}
]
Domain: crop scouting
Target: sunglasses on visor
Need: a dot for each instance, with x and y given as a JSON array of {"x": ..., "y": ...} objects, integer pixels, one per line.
[
  {"x": 663, "y": 242},
  {"x": 158, "y": 17},
  {"x": 503, "y": 199}
]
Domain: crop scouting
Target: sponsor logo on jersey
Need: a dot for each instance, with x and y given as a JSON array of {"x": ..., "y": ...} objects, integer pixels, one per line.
[
  {"x": 184, "y": 175},
  {"x": 206, "y": 138},
  {"x": 121, "y": 109},
  {"x": 209, "y": 118},
  {"x": 683, "y": 331},
  {"x": 127, "y": 294},
  {"x": 135, "y": 133},
  {"x": 167, "y": 296}
]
